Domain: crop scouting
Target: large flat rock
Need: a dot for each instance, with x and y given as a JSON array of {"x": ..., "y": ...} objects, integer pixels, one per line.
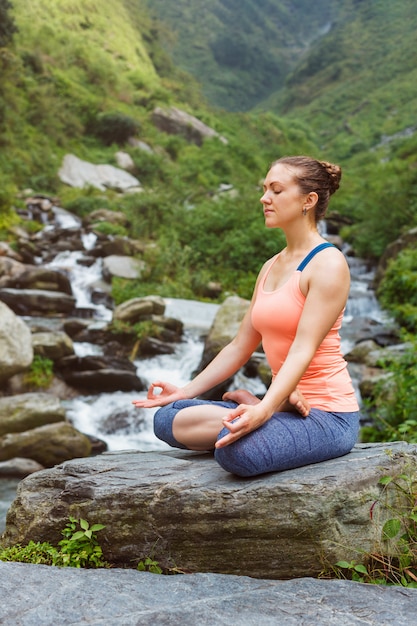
[
  {"x": 38, "y": 595},
  {"x": 185, "y": 511}
]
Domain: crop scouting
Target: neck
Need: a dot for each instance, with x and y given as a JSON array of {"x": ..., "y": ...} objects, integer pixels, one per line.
[{"x": 298, "y": 242}]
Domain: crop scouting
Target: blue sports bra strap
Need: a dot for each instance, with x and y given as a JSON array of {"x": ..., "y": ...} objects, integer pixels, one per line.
[{"x": 312, "y": 253}]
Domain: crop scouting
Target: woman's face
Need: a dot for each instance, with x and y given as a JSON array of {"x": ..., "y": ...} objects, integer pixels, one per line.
[{"x": 282, "y": 199}]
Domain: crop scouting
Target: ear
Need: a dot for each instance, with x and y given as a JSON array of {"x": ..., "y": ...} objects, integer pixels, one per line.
[{"x": 311, "y": 200}]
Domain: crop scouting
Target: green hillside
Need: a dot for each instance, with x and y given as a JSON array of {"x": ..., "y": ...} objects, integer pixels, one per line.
[
  {"x": 241, "y": 50},
  {"x": 76, "y": 72},
  {"x": 359, "y": 83}
]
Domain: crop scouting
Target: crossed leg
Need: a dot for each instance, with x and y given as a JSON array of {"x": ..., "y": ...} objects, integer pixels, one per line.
[{"x": 198, "y": 426}]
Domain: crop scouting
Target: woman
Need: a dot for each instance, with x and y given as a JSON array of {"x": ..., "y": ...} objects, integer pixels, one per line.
[{"x": 310, "y": 412}]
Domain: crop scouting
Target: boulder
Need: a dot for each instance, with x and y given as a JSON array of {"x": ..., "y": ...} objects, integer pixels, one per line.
[
  {"x": 16, "y": 352},
  {"x": 47, "y": 445},
  {"x": 177, "y": 122},
  {"x": 106, "y": 215},
  {"x": 7, "y": 251},
  {"x": 9, "y": 270},
  {"x": 37, "y": 301},
  {"x": 121, "y": 597},
  {"x": 119, "y": 246},
  {"x": 99, "y": 374},
  {"x": 124, "y": 160},
  {"x": 136, "y": 309},
  {"x": 123, "y": 267},
  {"x": 52, "y": 344},
  {"x": 184, "y": 510},
  {"x": 78, "y": 173},
  {"x": 223, "y": 329},
  {"x": 29, "y": 410},
  {"x": 406, "y": 240},
  {"x": 19, "y": 468},
  {"x": 31, "y": 277}
]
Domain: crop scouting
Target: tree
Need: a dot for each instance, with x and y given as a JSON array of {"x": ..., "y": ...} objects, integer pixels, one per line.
[{"x": 7, "y": 25}]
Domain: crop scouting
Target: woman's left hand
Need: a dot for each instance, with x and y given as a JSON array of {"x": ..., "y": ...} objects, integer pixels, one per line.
[{"x": 240, "y": 421}]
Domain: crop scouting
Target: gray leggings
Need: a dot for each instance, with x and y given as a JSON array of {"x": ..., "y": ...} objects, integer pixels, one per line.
[{"x": 284, "y": 442}]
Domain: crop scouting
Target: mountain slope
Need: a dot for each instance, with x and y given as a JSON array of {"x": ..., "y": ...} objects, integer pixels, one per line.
[
  {"x": 359, "y": 82},
  {"x": 241, "y": 50}
]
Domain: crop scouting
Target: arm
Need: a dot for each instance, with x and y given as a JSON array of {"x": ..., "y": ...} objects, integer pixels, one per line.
[
  {"x": 226, "y": 363},
  {"x": 326, "y": 286}
]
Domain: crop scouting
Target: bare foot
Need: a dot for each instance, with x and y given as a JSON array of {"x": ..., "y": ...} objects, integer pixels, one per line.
[
  {"x": 296, "y": 401},
  {"x": 241, "y": 396}
]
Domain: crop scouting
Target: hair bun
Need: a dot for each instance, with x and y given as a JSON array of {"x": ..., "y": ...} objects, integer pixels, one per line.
[{"x": 335, "y": 174}]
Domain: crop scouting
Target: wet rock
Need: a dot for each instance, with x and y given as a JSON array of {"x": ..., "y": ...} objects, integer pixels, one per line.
[
  {"x": 37, "y": 301},
  {"x": 52, "y": 345},
  {"x": 149, "y": 346},
  {"x": 29, "y": 410},
  {"x": 99, "y": 374},
  {"x": 19, "y": 468},
  {"x": 137, "y": 309},
  {"x": 48, "y": 445},
  {"x": 16, "y": 352}
]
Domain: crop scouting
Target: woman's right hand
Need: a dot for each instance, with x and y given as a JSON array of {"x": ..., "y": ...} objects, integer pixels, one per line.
[{"x": 168, "y": 393}]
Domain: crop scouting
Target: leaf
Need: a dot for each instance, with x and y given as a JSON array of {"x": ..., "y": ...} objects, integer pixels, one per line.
[
  {"x": 344, "y": 564},
  {"x": 96, "y": 527},
  {"x": 391, "y": 528},
  {"x": 385, "y": 480},
  {"x": 78, "y": 535},
  {"x": 84, "y": 524},
  {"x": 361, "y": 568}
]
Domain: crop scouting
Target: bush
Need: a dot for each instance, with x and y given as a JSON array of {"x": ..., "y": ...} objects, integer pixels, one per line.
[
  {"x": 114, "y": 128},
  {"x": 393, "y": 408},
  {"x": 397, "y": 291}
]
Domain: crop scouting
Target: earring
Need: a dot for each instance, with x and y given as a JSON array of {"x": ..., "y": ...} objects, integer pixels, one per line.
[{"x": 304, "y": 211}]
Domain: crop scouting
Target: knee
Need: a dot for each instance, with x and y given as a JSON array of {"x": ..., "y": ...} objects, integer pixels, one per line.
[
  {"x": 162, "y": 425},
  {"x": 236, "y": 458}
]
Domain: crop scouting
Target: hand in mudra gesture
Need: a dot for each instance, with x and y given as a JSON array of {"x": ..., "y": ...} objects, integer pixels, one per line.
[{"x": 165, "y": 394}]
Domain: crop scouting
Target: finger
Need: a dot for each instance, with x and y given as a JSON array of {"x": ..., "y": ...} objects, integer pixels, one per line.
[
  {"x": 235, "y": 413},
  {"x": 226, "y": 440}
]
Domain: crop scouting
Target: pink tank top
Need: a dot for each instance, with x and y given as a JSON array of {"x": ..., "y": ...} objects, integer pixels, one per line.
[{"x": 275, "y": 315}]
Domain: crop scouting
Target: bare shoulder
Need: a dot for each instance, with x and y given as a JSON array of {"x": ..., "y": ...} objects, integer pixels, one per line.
[{"x": 328, "y": 271}]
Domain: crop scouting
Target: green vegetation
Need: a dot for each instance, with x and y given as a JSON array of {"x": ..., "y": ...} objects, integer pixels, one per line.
[
  {"x": 393, "y": 561},
  {"x": 7, "y": 24},
  {"x": 398, "y": 289},
  {"x": 240, "y": 50},
  {"x": 149, "y": 565},
  {"x": 79, "y": 548},
  {"x": 393, "y": 407},
  {"x": 40, "y": 373}
]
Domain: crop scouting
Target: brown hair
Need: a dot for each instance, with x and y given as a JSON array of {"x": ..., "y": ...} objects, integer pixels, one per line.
[{"x": 312, "y": 175}]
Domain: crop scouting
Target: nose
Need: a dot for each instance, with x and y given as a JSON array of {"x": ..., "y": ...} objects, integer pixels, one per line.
[{"x": 264, "y": 198}]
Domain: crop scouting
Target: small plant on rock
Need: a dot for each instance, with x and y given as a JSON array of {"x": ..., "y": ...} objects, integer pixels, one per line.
[
  {"x": 79, "y": 548},
  {"x": 394, "y": 559}
]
